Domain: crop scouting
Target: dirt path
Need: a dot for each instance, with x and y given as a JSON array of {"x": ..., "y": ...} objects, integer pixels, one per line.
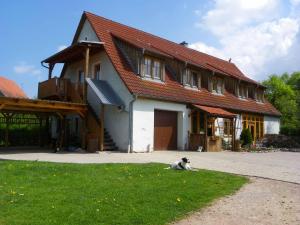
[{"x": 262, "y": 202}]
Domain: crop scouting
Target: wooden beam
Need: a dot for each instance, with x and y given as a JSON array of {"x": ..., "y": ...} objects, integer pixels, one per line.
[
  {"x": 86, "y": 72},
  {"x": 205, "y": 138},
  {"x": 51, "y": 66},
  {"x": 2, "y": 106},
  {"x": 102, "y": 128}
]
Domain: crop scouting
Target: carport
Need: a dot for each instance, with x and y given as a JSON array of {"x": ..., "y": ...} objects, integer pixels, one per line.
[{"x": 35, "y": 112}]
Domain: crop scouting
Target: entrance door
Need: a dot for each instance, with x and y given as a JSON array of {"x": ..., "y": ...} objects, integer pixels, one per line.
[{"x": 165, "y": 130}]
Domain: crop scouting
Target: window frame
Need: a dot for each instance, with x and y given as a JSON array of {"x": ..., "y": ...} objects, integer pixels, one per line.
[
  {"x": 97, "y": 76},
  {"x": 155, "y": 72},
  {"x": 80, "y": 76},
  {"x": 189, "y": 81},
  {"x": 217, "y": 85}
]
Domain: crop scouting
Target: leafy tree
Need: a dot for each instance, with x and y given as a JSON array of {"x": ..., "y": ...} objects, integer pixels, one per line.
[{"x": 284, "y": 93}]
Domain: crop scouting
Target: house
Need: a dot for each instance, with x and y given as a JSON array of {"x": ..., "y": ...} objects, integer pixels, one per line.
[
  {"x": 147, "y": 93},
  {"x": 9, "y": 88}
]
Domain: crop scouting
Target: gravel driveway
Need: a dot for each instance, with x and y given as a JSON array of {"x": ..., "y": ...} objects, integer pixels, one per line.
[
  {"x": 284, "y": 166},
  {"x": 261, "y": 202}
]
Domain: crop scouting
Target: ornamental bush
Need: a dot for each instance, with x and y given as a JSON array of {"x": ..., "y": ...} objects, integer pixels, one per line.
[{"x": 246, "y": 137}]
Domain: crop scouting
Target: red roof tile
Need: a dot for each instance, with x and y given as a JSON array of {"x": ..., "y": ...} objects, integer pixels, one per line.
[
  {"x": 171, "y": 90},
  {"x": 10, "y": 89}
]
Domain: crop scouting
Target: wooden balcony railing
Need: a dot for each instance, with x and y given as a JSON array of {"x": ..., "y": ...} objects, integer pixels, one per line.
[{"x": 60, "y": 89}]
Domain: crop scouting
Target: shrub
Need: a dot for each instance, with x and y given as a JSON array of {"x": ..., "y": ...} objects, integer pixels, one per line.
[{"x": 246, "y": 137}]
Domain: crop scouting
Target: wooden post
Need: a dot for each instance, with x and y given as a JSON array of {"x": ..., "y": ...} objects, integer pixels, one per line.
[
  {"x": 233, "y": 147},
  {"x": 62, "y": 131},
  {"x": 51, "y": 66},
  {"x": 83, "y": 133},
  {"x": 102, "y": 128},
  {"x": 40, "y": 131},
  {"x": 205, "y": 128},
  {"x": 6, "y": 129},
  {"x": 86, "y": 71}
]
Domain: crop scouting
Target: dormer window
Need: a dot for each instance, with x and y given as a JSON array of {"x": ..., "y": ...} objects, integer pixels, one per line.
[
  {"x": 243, "y": 91},
  {"x": 147, "y": 67},
  {"x": 260, "y": 96},
  {"x": 191, "y": 79},
  {"x": 217, "y": 85},
  {"x": 152, "y": 68},
  {"x": 156, "y": 69}
]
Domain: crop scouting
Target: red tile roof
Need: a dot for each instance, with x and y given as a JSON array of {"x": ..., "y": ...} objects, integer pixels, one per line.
[
  {"x": 215, "y": 111},
  {"x": 171, "y": 90},
  {"x": 10, "y": 89}
]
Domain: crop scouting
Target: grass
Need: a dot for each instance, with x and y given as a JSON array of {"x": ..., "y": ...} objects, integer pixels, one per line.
[{"x": 52, "y": 193}]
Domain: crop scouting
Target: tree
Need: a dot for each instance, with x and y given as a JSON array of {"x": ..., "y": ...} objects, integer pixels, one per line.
[
  {"x": 283, "y": 92},
  {"x": 246, "y": 137}
]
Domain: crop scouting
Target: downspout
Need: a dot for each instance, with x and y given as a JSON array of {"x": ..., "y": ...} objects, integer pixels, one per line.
[{"x": 130, "y": 149}]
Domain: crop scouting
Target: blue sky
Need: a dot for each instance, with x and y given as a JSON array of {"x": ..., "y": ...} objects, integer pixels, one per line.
[{"x": 261, "y": 36}]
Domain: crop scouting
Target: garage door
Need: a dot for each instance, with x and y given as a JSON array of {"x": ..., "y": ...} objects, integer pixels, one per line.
[{"x": 165, "y": 130}]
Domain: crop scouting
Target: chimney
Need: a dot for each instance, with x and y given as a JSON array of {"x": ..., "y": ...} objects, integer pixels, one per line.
[{"x": 184, "y": 43}]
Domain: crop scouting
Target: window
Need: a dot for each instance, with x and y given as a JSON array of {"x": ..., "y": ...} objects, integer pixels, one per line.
[
  {"x": 156, "y": 69},
  {"x": 259, "y": 96},
  {"x": 97, "y": 72},
  {"x": 255, "y": 124},
  {"x": 194, "y": 80},
  {"x": 227, "y": 127},
  {"x": 147, "y": 67},
  {"x": 152, "y": 68},
  {"x": 217, "y": 85},
  {"x": 243, "y": 92},
  {"x": 191, "y": 78},
  {"x": 80, "y": 76}
]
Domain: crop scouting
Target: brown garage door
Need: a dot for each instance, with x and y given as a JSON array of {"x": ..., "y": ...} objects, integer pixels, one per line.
[{"x": 165, "y": 130}]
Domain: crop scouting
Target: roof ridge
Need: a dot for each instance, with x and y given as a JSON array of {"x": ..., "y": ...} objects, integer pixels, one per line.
[{"x": 162, "y": 38}]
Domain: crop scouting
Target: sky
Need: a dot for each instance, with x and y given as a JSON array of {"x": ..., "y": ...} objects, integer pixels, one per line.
[{"x": 262, "y": 37}]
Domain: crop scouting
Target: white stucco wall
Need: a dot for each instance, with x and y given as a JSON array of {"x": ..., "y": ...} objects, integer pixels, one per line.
[
  {"x": 87, "y": 33},
  {"x": 143, "y": 123},
  {"x": 271, "y": 125}
]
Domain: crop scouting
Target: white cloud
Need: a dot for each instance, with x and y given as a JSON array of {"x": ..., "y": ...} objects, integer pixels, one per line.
[
  {"x": 61, "y": 47},
  {"x": 24, "y": 68},
  {"x": 295, "y": 2},
  {"x": 252, "y": 33}
]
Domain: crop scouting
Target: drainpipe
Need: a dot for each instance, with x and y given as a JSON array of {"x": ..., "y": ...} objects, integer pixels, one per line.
[{"x": 130, "y": 149}]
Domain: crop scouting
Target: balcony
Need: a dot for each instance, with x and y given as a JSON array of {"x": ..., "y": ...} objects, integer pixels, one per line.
[{"x": 60, "y": 90}]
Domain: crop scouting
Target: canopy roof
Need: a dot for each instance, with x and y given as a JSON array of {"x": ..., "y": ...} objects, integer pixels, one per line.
[
  {"x": 73, "y": 52},
  {"x": 216, "y": 111}
]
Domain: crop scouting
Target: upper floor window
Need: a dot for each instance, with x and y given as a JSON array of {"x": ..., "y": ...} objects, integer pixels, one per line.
[
  {"x": 156, "y": 69},
  {"x": 243, "y": 91},
  {"x": 217, "y": 85},
  {"x": 80, "y": 76},
  {"x": 191, "y": 78},
  {"x": 152, "y": 68},
  {"x": 260, "y": 96},
  {"x": 97, "y": 69},
  {"x": 147, "y": 67}
]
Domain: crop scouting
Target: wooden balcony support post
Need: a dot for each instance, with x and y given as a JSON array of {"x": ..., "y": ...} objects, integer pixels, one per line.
[
  {"x": 101, "y": 133},
  {"x": 51, "y": 66},
  {"x": 205, "y": 128},
  {"x": 86, "y": 71},
  {"x": 233, "y": 134}
]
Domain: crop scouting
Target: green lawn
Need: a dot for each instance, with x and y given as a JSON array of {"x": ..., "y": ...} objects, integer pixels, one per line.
[{"x": 52, "y": 193}]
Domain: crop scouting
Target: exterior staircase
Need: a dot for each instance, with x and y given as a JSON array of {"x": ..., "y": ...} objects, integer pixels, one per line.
[{"x": 109, "y": 144}]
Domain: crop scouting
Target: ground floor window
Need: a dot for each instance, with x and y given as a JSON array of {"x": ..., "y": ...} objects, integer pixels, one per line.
[{"x": 255, "y": 124}]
